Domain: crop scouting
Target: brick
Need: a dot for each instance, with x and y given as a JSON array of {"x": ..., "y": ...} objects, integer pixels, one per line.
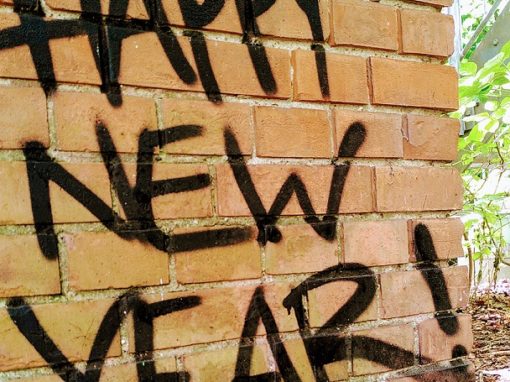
[
  {"x": 268, "y": 179},
  {"x": 292, "y": 132},
  {"x": 427, "y": 33},
  {"x": 71, "y": 326},
  {"x": 23, "y": 117},
  {"x": 459, "y": 372},
  {"x": 144, "y": 63},
  {"x": 213, "y": 119},
  {"x": 227, "y": 19},
  {"x": 407, "y": 293},
  {"x": 383, "y": 133},
  {"x": 374, "y": 243},
  {"x": 14, "y": 187},
  {"x": 129, "y": 373},
  {"x": 76, "y": 116},
  {"x": 286, "y": 19},
  {"x": 297, "y": 354},
  {"x": 347, "y": 77},
  {"x": 363, "y": 349},
  {"x": 430, "y": 138},
  {"x": 67, "y": 209},
  {"x": 406, "y": 83},
  {"x": 194, "y": 203},
  {"x": 368, "y": 25},
  {"x": 301, "y": 250},
  {"x": 120, "y": 264},
  {"x": 418, "y": 189},
  {"x": 24, "y": 271},
  {"x": 235, "y": 261},
  {"x": 220, "y": 316},
  {"x": 446, "y": 236},
  {"x": 219, "y": 365},
  {"x": 46, "y": 378},
  {"x": 72, "y": 57},
  {"x": 135, "y": 8},
  {"x": 439, "y": 3},
  {"x": 326, "y": 300},
  {"x": 436, "y": 345}
]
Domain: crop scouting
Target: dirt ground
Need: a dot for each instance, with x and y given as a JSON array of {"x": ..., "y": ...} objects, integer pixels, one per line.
[{"x": 490, "y": 310}]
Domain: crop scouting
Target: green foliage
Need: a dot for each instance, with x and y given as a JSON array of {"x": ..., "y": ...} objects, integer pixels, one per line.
[
  {"x": 484, "y": 152},
  {"x": 472, "y": 13}
]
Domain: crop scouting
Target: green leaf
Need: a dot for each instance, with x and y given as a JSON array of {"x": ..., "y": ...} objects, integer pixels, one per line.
[
  {"x": 506, "y": 49},
  {"x": 468, "y": 68}
]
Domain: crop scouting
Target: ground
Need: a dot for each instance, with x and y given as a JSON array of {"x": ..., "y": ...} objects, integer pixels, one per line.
[{"x": 491, "y": 329}]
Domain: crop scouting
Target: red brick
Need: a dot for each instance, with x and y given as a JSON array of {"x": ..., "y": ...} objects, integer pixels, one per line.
[
  {"x": 72, "y": 57},
  {"x": 418, "y": 189},
  {"x": 300, "y": 250},
  {"x": 406, "y": 83},
  {"x": 369, "y": 25},
  {"x": 15, "y": 187},
  {"x": 347, "y": 76},
  {"x": 356, "y": 197},
  {"x": 220, "y": 365},
  {"x": 213, "y": 119},
  {"x": 285, "y": 18},
  {"x": 439, "y": 3},
  {"x": 67, "y": 209},
  {"x": 430, "y": 138},
  {"x": 77, "y": 114},
  {"x": 407, "y": 293},
  {"x": 144, "y": 63},
  {"x": 461, "y": 372},
  {"x": 102, "y": 260},
  {"x": 436, "y": 345},
  {"x": 24, "y": 271},
  {"x": 401, "y": 336},
  {"x": 220, "y": 316},
  {"x": 375, "y": 242},
  {"x": 383, "y": 133},
  {"x": 23, "y": 117},
  {"x": 292, "y": 132},
  {"x": 222, "y": 263},
  {"x": 446, "y": 235},
  {"x": 227, "y": 19},
  {"x": 135, "y": 8},
  {"x": 195, "y": 203},
  {"x": 427, "y": 33},
  {"x": 71, "y": 326},
  {"x": 328, "y": 299}
]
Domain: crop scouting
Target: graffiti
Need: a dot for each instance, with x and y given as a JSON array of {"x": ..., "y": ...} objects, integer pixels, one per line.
[
  {"x": 106, "y": 34},
  {"x": 322, "y": 348},
  {"x": 351, "y": 142}
]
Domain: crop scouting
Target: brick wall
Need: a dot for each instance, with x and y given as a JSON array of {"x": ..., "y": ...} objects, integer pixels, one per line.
[{"x": 229, "y": 191}]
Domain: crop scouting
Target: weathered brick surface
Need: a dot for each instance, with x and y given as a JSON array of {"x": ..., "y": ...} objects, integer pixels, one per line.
[
  {"x": 375, "y": 242},
  {"x": 237, "y": 190},
  {"x": 357, "y": 195},
  {"x": 77, "y": 116},
  {"x": 307, "y": 132},
  {"x": 418, "y": 189},
  {"x": 212, "y": 119},
  {"x": 446, "y": 236},
  {"x": 380, "y": 127},
  {"x": 413, "y": 84},
  {"x": 430, "y": 138},
  {"x": 23, "y": 117},
  {"x": 427, "y": 33},
  {"x": 24, "y": 271},
  {"x": 365, "y": 25},
  {"x": 347, "y": 78},
  {"x": 120, "y": 264},
  {"x": 408, "y": 293},
  {"x": 431, "y": 334},
  {"x": 299, "y": 251},
  {"x": 72, "y": 327}
]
